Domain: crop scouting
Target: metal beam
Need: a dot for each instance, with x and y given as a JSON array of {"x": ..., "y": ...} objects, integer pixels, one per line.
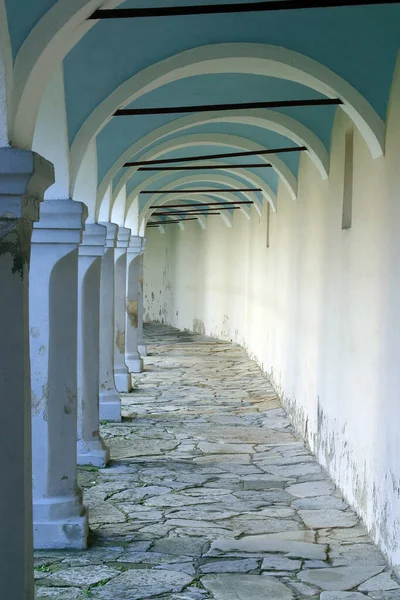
[
  {"x": 202, "y": 204},
  {"x": 206, "y": 211},
  {"x": 201, "y": 167},
  {"x": 163, "y": 161},
  {"x": 240, "y": 7},
  {"x": 195, "y": 191},
  {"x": 172, "y": 110},
  {"x": 170, "y": 221}
]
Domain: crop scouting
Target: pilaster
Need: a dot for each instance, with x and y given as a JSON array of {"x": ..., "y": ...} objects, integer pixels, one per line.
[
  {"x": 121, "y": 373},
  {"x": 24, "y": 177},
  {"x": 110, "y": 402},
  {"x": 133, "y": 359},
  {"x": 59, "y": 517},
  {"x": 142, "y": 347},
  {"x": 91, "y": 447}
]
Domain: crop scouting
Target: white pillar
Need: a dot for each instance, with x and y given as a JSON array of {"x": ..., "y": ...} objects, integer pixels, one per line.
[
  {"x": 59, "y": 518},
  {"x": 24, "y": 176},
  {"x": 133, "y": 359},
  {"x": 91, "y": 447},
  {"x": 110, "y": 403},
  {"x": 142, "y": 347},
  {"x": 122, "y": 376}
]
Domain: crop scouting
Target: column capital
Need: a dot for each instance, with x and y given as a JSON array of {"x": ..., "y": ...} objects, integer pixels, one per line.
[
  {"x": 137, "y": 245},
  {"x": 24, "y": 177},
  {"x": 112, "y": 233},
  {"x": 123, "y": 237},
  {"x": 93, "y": 240},
  {"x": 61, "y": 222}
]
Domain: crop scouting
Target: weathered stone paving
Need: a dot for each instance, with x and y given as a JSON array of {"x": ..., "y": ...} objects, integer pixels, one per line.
[{"x": 210, "y": 495}]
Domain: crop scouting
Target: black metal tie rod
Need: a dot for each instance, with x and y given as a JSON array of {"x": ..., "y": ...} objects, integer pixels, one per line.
[
  {"x": 162, "y": 161},
  {"x": 195, "y": 191},
  {"x": 204, "y": 211},
  {"x": 202, "y": 204},
  {"x": 155, "y": 223},
  {"x": 171, "y": 110},
  {"x": 240, "y": 7},
  {"x": 202, "y": 167}
]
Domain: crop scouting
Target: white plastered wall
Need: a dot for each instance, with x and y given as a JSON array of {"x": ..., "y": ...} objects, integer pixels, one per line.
[
  {"x": 51, "y": 135},
  {"x": 86, "y": 183},
  {"x": 319, "y": 310},
  {"x": 6, "y": 77}
]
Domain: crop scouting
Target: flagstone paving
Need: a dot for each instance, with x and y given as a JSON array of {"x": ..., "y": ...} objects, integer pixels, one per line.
[{"x": 210, "y": 495}]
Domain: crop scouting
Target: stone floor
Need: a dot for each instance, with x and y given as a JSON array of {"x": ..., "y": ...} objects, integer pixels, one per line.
[{"x": 210, "y": 495}]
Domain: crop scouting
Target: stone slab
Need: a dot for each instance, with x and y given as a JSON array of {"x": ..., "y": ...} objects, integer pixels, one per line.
[
  {"x": 143, "y": 583},
  {"x": 339, "y": 578},
  {"x": 246, "y": 587}
]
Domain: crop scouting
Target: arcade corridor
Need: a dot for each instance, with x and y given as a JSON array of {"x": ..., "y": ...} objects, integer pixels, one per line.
[{"x": 224, "y": 168}]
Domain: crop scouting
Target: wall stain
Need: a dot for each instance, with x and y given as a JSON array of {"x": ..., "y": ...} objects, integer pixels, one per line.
[
  {"x": 198, "y": 326},
  {"x": 120, "y": 341},
  {"x": 68, "y": 406},
  {"x": 132, "y": 309},
  {"x": 35, "y": 332},
  {"x": 39, "y": 405}
]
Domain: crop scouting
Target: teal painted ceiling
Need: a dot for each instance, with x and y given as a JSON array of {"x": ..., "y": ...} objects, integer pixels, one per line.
[{"x": 359, "y": 44}]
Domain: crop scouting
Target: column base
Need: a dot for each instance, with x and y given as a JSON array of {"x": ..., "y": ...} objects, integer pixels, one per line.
[
  {"x": 61, "y": 535},
  {"x": 123, "y": 382},
  {"x": 94, "y": 453},
  {"x": 142, "y": 349},
  {"x": 109, "y": 406},
  {"x": 135, "y": 365}
]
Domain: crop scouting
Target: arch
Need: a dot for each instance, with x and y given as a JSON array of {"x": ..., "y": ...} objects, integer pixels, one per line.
[
  {"x": 229, "y": 197},
  {"x": 225, "y": 179},
  {"x": 258, "y": 59},
  {"x": 46, "y": 46},
  {"x": 200, "y": 218},
  {"x": 201, "y": 139},
  {"x": 6, "y": 78},
  {"x": 265, "y": 119}
]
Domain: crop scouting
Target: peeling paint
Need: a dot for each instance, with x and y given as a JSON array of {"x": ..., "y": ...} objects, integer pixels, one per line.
[
  {"x": 35, "y": 332},
  {"x": 15, "y": 240},
  {"x": 42, "y": 350}
]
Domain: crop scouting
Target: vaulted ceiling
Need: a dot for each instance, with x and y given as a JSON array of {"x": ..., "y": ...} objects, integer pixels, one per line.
[{"x": 347, "y": 53}]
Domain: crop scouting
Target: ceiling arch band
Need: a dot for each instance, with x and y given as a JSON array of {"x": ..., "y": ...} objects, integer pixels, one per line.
[
  {"x": 257, "y": 59},
  {"x": 268, "y": 120}
]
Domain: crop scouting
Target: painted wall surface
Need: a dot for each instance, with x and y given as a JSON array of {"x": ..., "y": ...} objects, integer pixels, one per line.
[
  {"x": 51, "y": 137},
  {"x": 319, "y": 310}
]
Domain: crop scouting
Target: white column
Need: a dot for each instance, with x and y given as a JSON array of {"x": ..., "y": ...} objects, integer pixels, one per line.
[
  {"x": 133, "y": 359},
  {"x": 142, "y": 347},
  {"x": 91, "y": 447},
  {"x": 59, "y": 518},
  {"x": 122, "y": 376},
  {"x": 110, "y": 403},
  {"x": 24, "y": 176}
]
